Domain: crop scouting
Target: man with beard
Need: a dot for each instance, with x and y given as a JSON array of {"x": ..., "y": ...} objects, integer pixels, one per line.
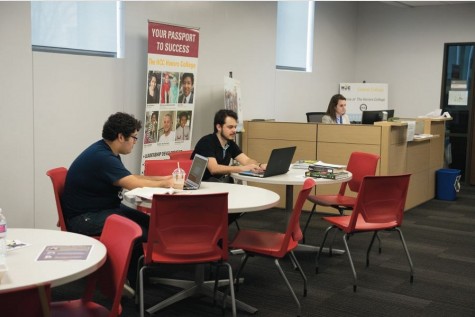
[{"x": 219, "y": 147}]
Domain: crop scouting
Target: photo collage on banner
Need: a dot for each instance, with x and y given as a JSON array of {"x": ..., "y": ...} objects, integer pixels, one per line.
[{"x": 172, "y": 65}]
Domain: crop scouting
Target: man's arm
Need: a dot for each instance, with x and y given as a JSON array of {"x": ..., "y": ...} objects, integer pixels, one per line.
[
  {"x": 250, "y": 163},
  {"x": 246, "y": 164},
  {"x": 134, "y": 181}
]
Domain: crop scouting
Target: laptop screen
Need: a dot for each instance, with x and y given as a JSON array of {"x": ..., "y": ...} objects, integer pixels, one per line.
[{"x": 197, "y": 169}]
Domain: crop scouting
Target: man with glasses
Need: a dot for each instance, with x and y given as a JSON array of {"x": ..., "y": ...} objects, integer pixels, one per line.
[{"x": 94, "y": 182}]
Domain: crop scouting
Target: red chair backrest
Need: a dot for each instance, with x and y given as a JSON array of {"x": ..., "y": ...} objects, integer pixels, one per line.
[
  {"x": 360, "y": 164},
  {"x": 165, "y": 167},
  {"x": 32, "y": 301},
  {"x": 293, "y": 233},
  {"x": 381, "y": 199},
  {"x": 118, "y": 235},
  {"x": 58, "y": 178},
  {"x": 188, "y": 228},
  {"x": 181, "y": 155}
]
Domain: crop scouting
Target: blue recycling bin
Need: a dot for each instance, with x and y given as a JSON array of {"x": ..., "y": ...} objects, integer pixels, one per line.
[{"x": 448, "y": 183}]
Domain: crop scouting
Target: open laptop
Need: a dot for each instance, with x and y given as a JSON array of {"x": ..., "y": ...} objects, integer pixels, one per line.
[
  {"x": 197, "y": 170},
  {"x": 279, "y": 163}
]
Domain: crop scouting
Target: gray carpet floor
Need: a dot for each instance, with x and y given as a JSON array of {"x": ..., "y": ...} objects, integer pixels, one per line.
[{"x": 440, "y": 236}]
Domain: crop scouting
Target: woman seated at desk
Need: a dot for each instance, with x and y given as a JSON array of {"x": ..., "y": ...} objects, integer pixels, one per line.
[{"x": 336, "y": 112}]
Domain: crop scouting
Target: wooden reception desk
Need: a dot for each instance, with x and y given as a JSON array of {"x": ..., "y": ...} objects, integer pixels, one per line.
[{"x": 334, "y": 144}]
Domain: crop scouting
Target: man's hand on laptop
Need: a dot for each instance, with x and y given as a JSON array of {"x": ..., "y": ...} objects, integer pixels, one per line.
[{"x": 253, "y": 168}]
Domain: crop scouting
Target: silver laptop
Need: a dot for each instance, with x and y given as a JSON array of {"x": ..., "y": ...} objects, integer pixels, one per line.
[
  {"x": 197, "y": 170},
  {"x": 279, "y": 163}
]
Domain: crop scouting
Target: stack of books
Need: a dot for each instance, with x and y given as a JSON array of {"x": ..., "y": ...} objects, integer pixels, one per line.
[{"x": 324, "y": 170}]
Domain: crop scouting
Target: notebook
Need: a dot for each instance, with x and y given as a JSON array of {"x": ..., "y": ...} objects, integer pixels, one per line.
[
  {"x": 197, "y": 170},
  {"x": 278, "y": 163}
]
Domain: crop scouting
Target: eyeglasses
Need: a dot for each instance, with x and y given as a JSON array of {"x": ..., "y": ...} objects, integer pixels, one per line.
[{"x": 134, "y": 137}]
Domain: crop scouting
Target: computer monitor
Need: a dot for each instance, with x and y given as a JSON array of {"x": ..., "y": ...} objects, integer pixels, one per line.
[{"x": 372, "y": 116}]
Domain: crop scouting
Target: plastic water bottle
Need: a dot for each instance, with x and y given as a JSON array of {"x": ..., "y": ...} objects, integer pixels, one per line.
[{"x": 3, "y": 237}]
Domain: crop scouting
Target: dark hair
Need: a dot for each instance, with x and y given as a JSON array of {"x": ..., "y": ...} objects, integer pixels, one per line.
[
  {"x": 331, "y": 110},
  {"x": 120, "y": 122},
  {"x": 221, "y": 115},
  {"x": 192, "y": 77},
  {"x": 183, "y": 114},
  {"x": 156, "y": 78}
]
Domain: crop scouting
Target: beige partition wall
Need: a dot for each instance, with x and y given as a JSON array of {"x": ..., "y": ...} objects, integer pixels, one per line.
[
  {"x": 424, "y": 158},
  {"x": 335, "y": 143},
  {"x": 260, "y": 137}
]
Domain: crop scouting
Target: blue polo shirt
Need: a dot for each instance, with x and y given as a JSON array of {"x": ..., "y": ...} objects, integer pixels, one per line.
[{"x": 89, "y": 182}]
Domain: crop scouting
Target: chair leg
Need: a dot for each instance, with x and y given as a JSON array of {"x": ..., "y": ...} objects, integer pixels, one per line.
[
  {"x": 407, "y": 253},
  {"x": 276, "y": 261},
  {"x": 375, "y": 234},
  {"x": 137, "y": 283},
  {"x": 330, "y": 247},
  {"x": 230, "y": 289},
  {"x": 304, "y": 277},
  {"x": 308, "y": 221},
  {"x": 241, "y": 267},
  {"x": 345, "y": 238},
  {"x": 216, "y": 280},
  {"x": 380, "y": 243},
  {"x": 319, "y": 252},
  {"x": 141, "y": 293}
]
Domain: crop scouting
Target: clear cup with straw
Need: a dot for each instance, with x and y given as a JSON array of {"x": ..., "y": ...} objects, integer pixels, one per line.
[{"x": 178, "y": 177}]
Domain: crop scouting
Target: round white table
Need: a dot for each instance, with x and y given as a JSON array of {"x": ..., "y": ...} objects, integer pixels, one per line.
[
  {"x": 295, "y": 176},
  {"x": 24, "y": 269},
  {"x": 240, "y": 198}
]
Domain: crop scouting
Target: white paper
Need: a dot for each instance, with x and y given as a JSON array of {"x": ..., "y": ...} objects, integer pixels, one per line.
[
  {"x": 148, "y": 192},
  {"x": 16, "y": 244},
  {"x": 411, "y": 129},
  {"x": 422, "y": 136},
  {"x": 329, "y": 165},
  {"x": 458, "y": 98},
  {"x": 433, "y": 114}
]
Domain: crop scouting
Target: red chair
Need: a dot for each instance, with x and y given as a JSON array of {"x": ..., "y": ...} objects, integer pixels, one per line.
[
  {"x": 187, "y": 229},
  {"x": 379, "y": 206},
  {"x": 31, "y": 301},
  {"x": 165, "y": 167},
  {"x": 181, "y": 155},
  {"x": 58, "y": 178},
  {"x": 360, "y": 165},
  {"x": 118, "y": 236},
  {"x": 276, "y": 244}
]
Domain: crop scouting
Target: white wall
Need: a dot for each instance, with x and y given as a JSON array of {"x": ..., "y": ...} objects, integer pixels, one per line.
[
  {"x": 73, "y": 96},
  {"x": 54, "y": 105},
  {"x": 404, "y": 47},
  {"x": 16, "y": 115},
  {"x": 333, "y": 63}
]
